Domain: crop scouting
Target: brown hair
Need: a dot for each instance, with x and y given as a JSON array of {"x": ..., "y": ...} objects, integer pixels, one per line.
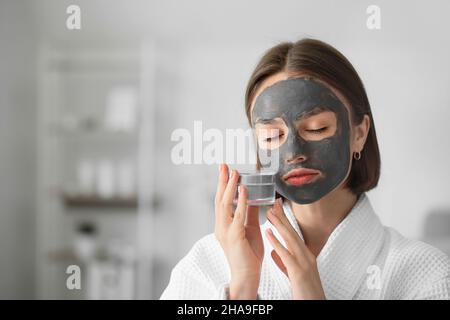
[{"x": 321, "y": 61}]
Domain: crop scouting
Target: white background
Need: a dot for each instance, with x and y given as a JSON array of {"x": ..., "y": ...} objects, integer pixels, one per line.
[{"x": 205, "y": 53}]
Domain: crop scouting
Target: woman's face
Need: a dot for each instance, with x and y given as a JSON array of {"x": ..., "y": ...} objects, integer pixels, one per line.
[{"x": 310, "y": 127}]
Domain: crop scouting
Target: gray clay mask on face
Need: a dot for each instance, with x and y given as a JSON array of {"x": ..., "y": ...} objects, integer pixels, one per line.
[{"x": 291, "y": 100}]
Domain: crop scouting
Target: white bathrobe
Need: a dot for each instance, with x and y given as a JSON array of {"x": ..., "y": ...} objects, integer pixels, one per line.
[{"x": 361, "y": 259}]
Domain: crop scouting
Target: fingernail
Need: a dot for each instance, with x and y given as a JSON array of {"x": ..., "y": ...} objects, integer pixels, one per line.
[
  {"x": 273, "y": 211},
  {"x": 280, "y": 205}
]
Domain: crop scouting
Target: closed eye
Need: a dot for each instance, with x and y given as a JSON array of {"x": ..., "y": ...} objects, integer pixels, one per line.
[
  {"x": 320, "y": 130},
  {"x": 274, "y": 138}
]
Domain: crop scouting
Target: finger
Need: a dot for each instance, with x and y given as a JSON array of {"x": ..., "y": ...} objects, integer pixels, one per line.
[
  {"x": 288, "y": 236},
  {"x": 279, "y": 248},
  {"x": 252, "y": 216},
  {"x": 279, "y": 262},
  {"x": 223, "y": 217},
  {"x": 222, "y": 182},
  {"x": 278, "y": 211},
  {"x": 239, "y": 214},
  {"x": 230, "y": 190}
]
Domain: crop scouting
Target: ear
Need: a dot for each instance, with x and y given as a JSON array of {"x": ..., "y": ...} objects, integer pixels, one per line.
[{"x": 360, "y": 134}]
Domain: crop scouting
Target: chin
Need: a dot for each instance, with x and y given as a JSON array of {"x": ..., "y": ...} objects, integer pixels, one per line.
[
  {"x": 302, "y": 199},
  {"x": 305, "y": 201}
]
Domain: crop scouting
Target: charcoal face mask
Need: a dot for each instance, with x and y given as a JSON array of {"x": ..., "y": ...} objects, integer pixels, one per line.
[{"x": 288, "y": 100}]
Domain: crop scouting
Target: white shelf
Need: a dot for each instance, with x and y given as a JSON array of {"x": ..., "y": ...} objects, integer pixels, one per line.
[
  {"x": 98, "y": 202},
  {"x": 73, "y": 90},
  {"x": 96, "y": 134}
]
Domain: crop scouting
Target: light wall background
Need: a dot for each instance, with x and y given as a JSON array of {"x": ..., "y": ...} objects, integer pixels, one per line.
[{"x": 205, "y": 52}]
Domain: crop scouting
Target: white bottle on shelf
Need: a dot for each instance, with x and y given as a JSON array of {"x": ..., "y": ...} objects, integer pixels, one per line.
[
  {"x": 125, "y": 179},
  {"x": 86, "y": 177},
  {"x": 105, "y": 179}
]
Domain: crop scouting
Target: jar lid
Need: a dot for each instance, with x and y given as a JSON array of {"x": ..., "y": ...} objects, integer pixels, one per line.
[{"x": 256, "y": 177}]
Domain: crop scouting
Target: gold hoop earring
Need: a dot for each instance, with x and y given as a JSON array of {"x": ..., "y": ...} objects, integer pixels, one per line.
[{"x": 357, "y": 155}]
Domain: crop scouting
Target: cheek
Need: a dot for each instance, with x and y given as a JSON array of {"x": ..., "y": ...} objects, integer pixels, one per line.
[
  {"x": 327, "y": 152},
  {"x": 352, "y": 134},
  {"x": 323, "y": 151}
]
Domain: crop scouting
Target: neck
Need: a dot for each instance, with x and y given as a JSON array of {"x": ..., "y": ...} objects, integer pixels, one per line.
[{"x": 318, "y": 220}]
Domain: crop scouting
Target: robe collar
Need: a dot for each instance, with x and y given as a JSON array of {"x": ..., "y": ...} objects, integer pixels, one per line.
[{"x": 343, "y": 261}]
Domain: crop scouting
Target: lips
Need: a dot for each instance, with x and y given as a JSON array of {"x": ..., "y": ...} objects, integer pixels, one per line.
[{"x": 298, "y": 177}]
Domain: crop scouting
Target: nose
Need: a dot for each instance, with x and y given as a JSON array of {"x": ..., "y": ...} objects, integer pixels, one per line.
[{"x": 296, "y": 159}]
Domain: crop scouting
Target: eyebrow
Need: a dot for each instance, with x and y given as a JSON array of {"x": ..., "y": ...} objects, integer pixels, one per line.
[
  {"x": 265, "y": 121},
  {"x": 303, "y": 115},
  {"x": 313, "y": 112}
]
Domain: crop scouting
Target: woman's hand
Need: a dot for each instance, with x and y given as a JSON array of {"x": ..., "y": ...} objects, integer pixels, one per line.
[
  {"x": 296, "y": 261},
  {"x": 239, "y": 237}
]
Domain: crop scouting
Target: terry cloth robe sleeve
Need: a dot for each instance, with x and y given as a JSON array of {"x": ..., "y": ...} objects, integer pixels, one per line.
[
  {"x": 225, "y": 293},
  {"x": 184, "y": 285},
  {"x": 203, "y": 274},
  {"x": 433, "y": 281},
  {"x": 440, "y": 290}
]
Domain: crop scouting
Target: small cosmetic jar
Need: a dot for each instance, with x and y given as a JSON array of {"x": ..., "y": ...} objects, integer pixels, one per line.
[{"x": 260, "y": 188}]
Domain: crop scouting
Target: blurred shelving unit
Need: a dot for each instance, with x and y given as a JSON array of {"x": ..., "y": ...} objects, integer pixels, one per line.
[{"x": 94, "y": 158}]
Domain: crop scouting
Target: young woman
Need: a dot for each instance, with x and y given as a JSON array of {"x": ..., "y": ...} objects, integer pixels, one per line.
[{"x": 322, "y": 239}]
